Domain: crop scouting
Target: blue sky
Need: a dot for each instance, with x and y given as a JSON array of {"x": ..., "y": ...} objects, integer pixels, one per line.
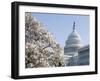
[{"x": 61, "y": 25}]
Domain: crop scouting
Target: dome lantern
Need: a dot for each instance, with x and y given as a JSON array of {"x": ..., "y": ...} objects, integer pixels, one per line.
[{"x": 74, "y": 26}]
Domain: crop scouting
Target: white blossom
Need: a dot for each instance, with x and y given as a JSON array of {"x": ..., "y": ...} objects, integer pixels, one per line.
[{"x": 41, "y": 48}]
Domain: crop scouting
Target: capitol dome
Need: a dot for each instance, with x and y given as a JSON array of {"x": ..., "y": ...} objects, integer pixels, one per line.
[
  {"x": 73, "y": 43},
  {"x": 74, "y": 40}
]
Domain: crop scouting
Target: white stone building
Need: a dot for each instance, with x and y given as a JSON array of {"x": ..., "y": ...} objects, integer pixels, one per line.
[
  {"x": 72, "y": 47},
  {"x": 83, "y": 58}
]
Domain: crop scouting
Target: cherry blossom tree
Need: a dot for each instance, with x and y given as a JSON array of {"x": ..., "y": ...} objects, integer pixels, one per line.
[{"x": 41, "y": 48}]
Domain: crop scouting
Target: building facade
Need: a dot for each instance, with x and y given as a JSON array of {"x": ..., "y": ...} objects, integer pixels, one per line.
[
  {"x": 83, "y": 58},
  {"x": 74, "y": 50}
]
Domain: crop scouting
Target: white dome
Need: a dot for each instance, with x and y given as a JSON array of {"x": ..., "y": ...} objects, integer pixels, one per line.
[{"x": 74, "y": 40}]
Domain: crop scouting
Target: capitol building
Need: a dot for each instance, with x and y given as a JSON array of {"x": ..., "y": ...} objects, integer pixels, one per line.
[{"x": 75, "y": 52}]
